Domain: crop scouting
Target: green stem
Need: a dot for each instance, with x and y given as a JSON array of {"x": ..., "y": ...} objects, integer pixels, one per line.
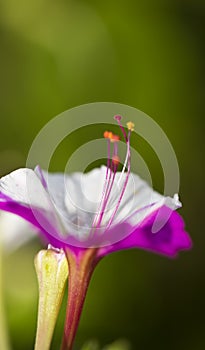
[{"x": 80, "y": 271}]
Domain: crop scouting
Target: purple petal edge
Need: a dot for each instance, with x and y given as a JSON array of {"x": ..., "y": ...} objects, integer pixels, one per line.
[
  {"x": 169, "y": 240},
  {"x": 32, "y": 215},
  {"x": 39, "y": 219}
]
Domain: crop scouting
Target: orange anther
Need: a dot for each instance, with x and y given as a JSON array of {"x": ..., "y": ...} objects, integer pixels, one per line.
[
  {"x": 115, "y": 138},
  {"x": 106, "y": 134},
  {"x": 111, "y": 136}
]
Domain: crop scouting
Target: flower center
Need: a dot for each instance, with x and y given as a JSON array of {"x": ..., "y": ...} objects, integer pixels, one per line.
[{"x": 112, "y": 166}]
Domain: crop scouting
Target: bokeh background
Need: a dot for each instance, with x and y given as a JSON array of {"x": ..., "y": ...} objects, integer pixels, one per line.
[{"x": 55, "y": 55}]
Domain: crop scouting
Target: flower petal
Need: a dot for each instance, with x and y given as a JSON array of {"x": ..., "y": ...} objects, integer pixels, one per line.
[
  {"x": 14, "y": 231},
  {"x": 22, "y": 193},
  {"x": 77, "y": 198},
  {"x": 84, "y": 191},
  {"x": 24, "y": 186},
  {"x": 140, "y": 200},
  {"x": 69, "y": 201},
  {"x": 147, "y": 217},
  {"x": 169, "y": 240}
]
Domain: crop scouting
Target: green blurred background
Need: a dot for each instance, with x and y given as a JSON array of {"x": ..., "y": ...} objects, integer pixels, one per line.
[{"x": 55, "y": 55}]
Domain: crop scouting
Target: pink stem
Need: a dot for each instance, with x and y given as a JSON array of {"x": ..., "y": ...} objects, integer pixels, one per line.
[{"x": 80, "y": 271}]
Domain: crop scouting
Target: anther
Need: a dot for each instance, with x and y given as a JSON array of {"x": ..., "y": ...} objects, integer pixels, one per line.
[
  {"x": 112, "y": 137},
  {"x": 130, "y": 126},
  {"x": 107, "y": 134},
  {"x": 115, "y": 138}
]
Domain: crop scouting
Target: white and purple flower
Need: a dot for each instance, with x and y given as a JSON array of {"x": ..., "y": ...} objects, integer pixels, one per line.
[{"x": 94, "y": 214}]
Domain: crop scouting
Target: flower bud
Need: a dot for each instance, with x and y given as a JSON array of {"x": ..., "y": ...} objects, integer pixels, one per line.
[{"x": 52, "y": 272}]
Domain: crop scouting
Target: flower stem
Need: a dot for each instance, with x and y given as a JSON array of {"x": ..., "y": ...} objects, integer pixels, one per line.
[{"x": 80, "y": 271}]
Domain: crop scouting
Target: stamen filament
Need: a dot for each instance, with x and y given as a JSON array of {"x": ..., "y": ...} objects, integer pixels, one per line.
[
  {"x": 111, "y": 173},
  {"x": 105, "y": 185},
  {"x": 124, "y": 167},
  {"x": 125, "y": 183},
  {"x": 109, "y": 180},
  {"x": 106, "y": 199},
  {"x": 118, "y": 119}
]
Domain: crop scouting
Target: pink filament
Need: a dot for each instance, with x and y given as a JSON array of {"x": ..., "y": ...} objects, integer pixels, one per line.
[
  {"x": 107, "y": 187},
  {"x": 124, "y": 186},
  {"x": 110, "y": 178}
]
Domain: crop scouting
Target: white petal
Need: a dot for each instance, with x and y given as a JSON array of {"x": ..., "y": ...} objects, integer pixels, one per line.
[
  {"x": 143, "y": 201},
  {"x": 138, "y": 194},
  {"x": 24, "y": 186},
  {"x": 57, "y": 191},
  {"x": 84, "y": 191},
  {"x": 14, "y": 231},
  {"x": 76, "y": 198}
]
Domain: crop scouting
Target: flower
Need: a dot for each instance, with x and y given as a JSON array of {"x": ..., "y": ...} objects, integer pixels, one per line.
[{"x": 94, "y": 214}]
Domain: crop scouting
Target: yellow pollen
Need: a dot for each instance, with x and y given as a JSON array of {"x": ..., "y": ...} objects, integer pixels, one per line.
[{"x": 130, "y": 126}]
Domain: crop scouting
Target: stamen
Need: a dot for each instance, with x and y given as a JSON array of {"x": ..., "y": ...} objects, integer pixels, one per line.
[
  {"x": 125, "y": 182},
  {"x": 107, "y": 196},
  {"x": 116, "y": 160},
  {"x": 131, "y": 126},
  {"x": 107, "y": 134},
  {"x": 110, "y": 182},
  {"x": 115, "y": 138},
  {"x": 111, "y": 171},
  {"x": 109, "y": 178},
  {"x": 112, "y": 137},
  {"x": 118, "y": 119}
]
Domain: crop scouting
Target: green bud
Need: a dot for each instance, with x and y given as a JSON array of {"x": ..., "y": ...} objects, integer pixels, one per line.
[{"x": 52, "y": 272}]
